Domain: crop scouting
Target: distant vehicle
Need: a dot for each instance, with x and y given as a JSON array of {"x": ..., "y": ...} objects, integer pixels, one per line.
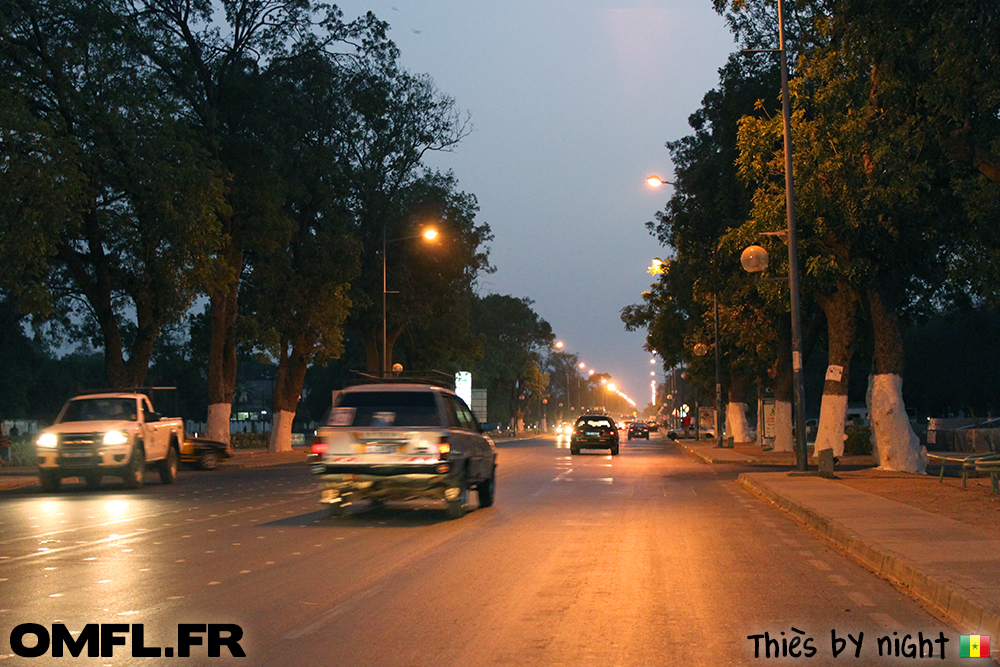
[
  {"x": 562, "y": 428},
  {"x": 109, "y": 434},
  {"x": 594, "y": 432},
  {"x": 402, "y": 442},
  {"x": 638, "y": 430}
]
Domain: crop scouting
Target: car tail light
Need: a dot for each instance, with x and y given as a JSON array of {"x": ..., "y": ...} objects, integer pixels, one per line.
[
  {"x": 444, "y": 448},
  {"x": 320, "y": 448},
  {"x": 613, "y": 432}
]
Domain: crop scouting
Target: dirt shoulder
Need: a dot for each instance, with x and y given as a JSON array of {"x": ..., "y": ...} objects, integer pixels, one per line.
[{"x": 973, "y": 505}]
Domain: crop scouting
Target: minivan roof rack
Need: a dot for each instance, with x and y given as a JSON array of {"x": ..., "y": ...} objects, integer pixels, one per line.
[{"x": 436, "y": 378}]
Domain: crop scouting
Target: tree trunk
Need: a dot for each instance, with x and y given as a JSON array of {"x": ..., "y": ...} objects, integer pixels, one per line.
[
  {"x": 897, "y": 446},
  {"x": 736, "y": 411},
  {"x": 222, "y": 350},
  {"x": 784, "y": 436},
  {"x": 287, "y": 391},
  {"x": 840, "y": 309}
]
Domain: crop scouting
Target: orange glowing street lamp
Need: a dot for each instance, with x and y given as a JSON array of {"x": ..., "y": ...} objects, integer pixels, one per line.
[{"x": 429, "y": 234}]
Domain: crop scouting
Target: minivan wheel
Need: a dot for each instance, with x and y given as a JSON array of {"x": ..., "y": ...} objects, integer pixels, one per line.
[{"x": 487, "y": 490}]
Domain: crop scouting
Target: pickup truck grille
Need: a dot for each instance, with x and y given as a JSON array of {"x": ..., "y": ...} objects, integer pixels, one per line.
[{"x": 79, "y": 449}]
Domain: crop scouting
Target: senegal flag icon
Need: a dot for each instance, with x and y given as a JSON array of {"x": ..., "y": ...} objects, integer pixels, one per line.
[{"x": 974, "y": 646}]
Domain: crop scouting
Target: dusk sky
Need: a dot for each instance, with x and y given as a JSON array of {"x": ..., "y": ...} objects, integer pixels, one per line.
[{"x": 571, "y": 104}]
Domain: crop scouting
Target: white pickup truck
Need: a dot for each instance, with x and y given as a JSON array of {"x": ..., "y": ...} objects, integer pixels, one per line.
[{"x": 117, "y": 434}]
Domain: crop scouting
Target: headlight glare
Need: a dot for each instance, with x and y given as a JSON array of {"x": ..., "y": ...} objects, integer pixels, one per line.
[
  {"x": 115, "y": 438},
  {"x": 47, "y": 440}
]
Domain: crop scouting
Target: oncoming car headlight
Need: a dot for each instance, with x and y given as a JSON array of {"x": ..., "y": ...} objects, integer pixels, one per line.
[
  {"x": 47, "y": 440},
  {"x": 115, "y": 438}
]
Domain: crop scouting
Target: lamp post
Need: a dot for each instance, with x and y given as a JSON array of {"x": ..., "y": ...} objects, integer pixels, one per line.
[
  {"x": 801, "y": 455},
  {"x": 701, "y": 349},
  {"x": 429, "y": 234}
]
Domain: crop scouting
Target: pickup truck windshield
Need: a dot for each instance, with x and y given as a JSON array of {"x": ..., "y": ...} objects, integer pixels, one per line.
[
  {"x": 390, "y": 408},
  {"x": 99, "y": 409}
]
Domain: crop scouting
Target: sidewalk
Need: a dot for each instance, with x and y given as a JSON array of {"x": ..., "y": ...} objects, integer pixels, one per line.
[{"x": 952, "y": 565}]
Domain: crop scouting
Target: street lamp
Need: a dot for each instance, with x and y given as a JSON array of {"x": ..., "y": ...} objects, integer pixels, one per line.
[
  {"x": 655, "y": 181},
  {"x": 429, "y": 234}
]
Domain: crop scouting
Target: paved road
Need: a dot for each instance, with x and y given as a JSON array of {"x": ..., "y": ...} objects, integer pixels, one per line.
[{"x": 646, "y": 558}]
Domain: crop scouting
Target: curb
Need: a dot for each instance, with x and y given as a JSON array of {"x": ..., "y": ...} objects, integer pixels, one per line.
[
  {"x": 708, "y": 458},
  {"x": 954, "y": 603}
]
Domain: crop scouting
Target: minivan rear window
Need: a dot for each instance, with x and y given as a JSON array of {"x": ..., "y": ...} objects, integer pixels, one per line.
[{"x": 382, "y": 409}]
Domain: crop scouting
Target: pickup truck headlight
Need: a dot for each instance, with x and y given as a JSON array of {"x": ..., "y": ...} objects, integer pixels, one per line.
[
  {"x": 115, "y": 438},
  {"x": 47, "y": 440}
]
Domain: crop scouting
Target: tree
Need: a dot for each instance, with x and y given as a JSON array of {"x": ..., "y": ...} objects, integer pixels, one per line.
[
  {"x": 110, "y": 201},
  {"x": 391, "y": 119},
  {"x": 212, "y": 63},
  {"x": 512, "y": 333}
]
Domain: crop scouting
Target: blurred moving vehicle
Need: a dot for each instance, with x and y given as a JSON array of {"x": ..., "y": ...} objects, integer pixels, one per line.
[
  {"x": 594, "y": 432},
  {"x": 204, "y": 454},
  {"x": 638, "y": 430},
  {"x": 402, "y": 442}
]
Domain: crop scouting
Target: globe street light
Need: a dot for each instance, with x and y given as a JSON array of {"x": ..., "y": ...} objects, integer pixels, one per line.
[{"x": 428, "y": 234}]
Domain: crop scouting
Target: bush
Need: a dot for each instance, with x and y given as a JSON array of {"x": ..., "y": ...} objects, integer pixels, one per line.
[
  {"x": 858, "y": 441},
  {"x": 22, "y": 451},
  {"x": 248, "y": 440}
]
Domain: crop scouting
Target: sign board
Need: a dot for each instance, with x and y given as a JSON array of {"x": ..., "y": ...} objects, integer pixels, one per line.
[
  {"x": 706, "y": 414},
  {"x": 463, "y": 386},
  {"x": 770, "y": 419}
]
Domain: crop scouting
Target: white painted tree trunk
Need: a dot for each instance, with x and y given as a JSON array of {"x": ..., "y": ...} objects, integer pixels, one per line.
[
  {"x": 897, "y": 445},
  {"x": 830, "y": 432},
  {"x": 736, "y": 422},
  {"x": 784, "y": 437},
  {"x": 217, "y": 427},
  {"x": 280, "y": 439}
]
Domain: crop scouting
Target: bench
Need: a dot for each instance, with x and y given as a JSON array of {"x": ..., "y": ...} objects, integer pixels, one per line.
[
  {"x": 964, "y": 462},
  {"x": 991, "y": 466}
]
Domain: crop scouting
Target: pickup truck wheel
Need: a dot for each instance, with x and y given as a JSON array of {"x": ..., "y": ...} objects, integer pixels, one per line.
[
  {"x": 209, "y": 461},
  {"x": 49, "y": 481},
  {"x": 136, "y": 472},
  {"x": 92, "y": 480},
  {"x": 487, "y": 490},
  {"x": 455, "y": 508},
  {"x": 168, "y": 466}
]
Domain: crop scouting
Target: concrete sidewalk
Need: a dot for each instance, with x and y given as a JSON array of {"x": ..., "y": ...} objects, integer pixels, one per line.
[{"x": 950, "y": 566}]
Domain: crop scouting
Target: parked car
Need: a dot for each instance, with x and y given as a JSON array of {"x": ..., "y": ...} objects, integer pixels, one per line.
[
  {"x": 638, "y": 430},
  {"x": 594, "y": 432},
  {"x": 402, "y": 442}
]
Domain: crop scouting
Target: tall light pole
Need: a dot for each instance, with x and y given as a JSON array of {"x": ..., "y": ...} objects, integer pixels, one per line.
[
  {"x": 801, "y": 454},
  {"x": 429, "y": 234}
]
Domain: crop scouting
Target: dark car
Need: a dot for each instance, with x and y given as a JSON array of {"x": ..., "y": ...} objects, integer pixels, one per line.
[
  {"x": 594, "y": 432},
  {"x": 638, "y": 430}
]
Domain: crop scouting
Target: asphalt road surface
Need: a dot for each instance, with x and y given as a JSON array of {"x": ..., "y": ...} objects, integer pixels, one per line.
[{"x": 646, "y": 558}]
